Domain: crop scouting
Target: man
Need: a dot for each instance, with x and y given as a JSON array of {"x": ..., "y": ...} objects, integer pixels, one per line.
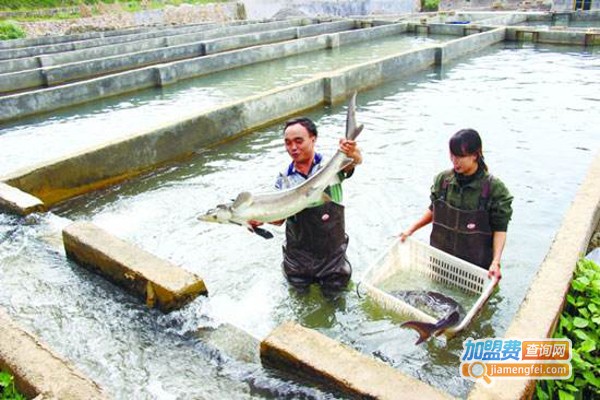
[{"x": 316, "y": 241}]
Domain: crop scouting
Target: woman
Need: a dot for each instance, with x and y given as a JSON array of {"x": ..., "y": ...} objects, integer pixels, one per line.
[{"x": 470, "y": 209}]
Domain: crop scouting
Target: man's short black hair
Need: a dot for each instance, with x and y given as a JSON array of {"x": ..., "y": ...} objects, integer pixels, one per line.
[{"x": 305, "y": 122}]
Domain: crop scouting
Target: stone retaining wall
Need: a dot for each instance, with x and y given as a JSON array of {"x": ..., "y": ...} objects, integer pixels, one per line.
[
  {"x": 37, "y": 370},
  {"x": 170, "y": 15}
]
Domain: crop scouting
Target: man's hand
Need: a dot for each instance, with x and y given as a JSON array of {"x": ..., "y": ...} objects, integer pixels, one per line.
[
  {"x": 254, "y": 223},
  {"x": 350, "y": 148}
]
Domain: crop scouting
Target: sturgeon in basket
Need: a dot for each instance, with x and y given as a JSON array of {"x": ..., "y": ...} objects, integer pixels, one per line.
[
  {"x": 455, "y": 321},
  {"x": 412, "y": 259},
  {"x": 436, "y": 302}
]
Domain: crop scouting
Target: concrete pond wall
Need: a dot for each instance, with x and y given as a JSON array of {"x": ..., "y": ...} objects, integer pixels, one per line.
[
  {"x": 39, "y": 187},
  {"x": 142, "y": 151}
]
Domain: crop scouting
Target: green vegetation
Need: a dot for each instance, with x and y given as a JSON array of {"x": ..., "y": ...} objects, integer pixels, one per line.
[
  {"x": 42, "y": 10},
  {"x": 430, "y": 5},
  {"x": 7, "y": 388},
  {"x": 10, "y": 30},
  {"x": 580, "y": 322},
  {"x": 35, "y": 4},
  {"x": 23, "y": 5}
]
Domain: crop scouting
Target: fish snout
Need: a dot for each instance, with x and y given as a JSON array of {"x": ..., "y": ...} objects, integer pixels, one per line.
[
  {"x": 208, "y": 217},
  {"x": 220, "y": 215}
]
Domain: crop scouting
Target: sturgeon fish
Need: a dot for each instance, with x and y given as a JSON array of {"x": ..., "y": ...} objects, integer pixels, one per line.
[
  {"x": 436, "y": 302},
  {"x": 279, "y": 205}
]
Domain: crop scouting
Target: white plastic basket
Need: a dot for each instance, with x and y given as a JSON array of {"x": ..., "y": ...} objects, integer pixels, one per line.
[{"x": 413, "y": 258}]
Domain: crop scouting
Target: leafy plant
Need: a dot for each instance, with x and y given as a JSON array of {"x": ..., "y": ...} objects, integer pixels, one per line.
[
  {"x": 10, "y": 30},
  {"x": 580, "y": 322},
  {"x": 430, "y": 5},
  {"x": 7, "y": 388}
]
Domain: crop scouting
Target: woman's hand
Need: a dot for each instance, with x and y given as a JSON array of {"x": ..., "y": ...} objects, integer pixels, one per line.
[
  {"x": 494, "y": 270},
  {"x": 404, "y": 235}
]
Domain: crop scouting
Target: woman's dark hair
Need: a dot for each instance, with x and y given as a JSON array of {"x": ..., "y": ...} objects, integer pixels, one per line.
[
  {"x": 467, "y": 142},
  {"x": 305, "y": 122}
]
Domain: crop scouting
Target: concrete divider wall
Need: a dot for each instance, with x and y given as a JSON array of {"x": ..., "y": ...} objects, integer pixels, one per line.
[
  {"x": 241, "y": 41},
  {"x": 308, "y": 353},
  {"x": 446, "y": 29},
  {"x": 438, "y": 29},
  {"x": 115, "y": 161},
  {"x": 45, "y": 40},
  {"x": 19, "y": 64},
  {"x": 533, "y": 34},
  {"x": 538, "y": 314},
  {"x": 87, "y": 69},
  {"x": 555, "y": 37},
  {"x": 60, "y": 39},
  {"x": 460, "y": 47},
  {"x": 369, "y": 74},
  {"x": 237, "y": 58},
  {"x": 15, "y": 81},
  {"x": 67, "y": 46},
  {"x": 99, "y": 41},
  {"x": 495, "y": 18},
  {"x": 18, "y": 105},
  {"x": 223, "y": 31},
  {"x": 48, "y": 60},
  {"x": 30, "y": 103},
  {"x": 123, "y": 57},
  {"x": 505, "y": 20},
  {"x": 130, "y": 156},
  {"x": 37, "y": 370},
  {"x": 176, "y": 38},
  {"x": 19, "y": 202},
  {"x": 156, "y": 281},
  {"x": 360, "y": 35},
  {"x": 314, "y": 30},
  {"x": 22, "y": 104},
  {"x": 452, "y": 29}
]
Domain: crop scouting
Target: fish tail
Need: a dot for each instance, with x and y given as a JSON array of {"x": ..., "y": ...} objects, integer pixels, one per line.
[
  {"x": 354, "y": 134},
  {"x": 352, "y": 131},
  {"x": 424, "y": 329}
]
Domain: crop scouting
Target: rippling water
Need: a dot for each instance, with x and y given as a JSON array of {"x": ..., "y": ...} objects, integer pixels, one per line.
[{"x": 537, "y": 110}]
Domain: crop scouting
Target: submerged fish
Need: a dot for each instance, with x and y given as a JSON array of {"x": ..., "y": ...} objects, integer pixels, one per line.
[
  {"x": 436, "y": 303},
  {"x": 279, "y": 205}
]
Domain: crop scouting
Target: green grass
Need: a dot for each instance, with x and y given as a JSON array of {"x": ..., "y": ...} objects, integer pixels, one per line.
[
  {"x": 430, "y": 5},
  {"x": 7, "y": 388},
  {"x": 580, "y": 322},
  {"x": 128, "y": 5},
  {"x": 91, "y": 7},
  {"x": 88, "y": 7},
  {"x": 10, "y": 30}
]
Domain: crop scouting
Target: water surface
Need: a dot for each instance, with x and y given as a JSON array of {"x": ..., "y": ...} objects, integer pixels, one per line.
[
  {"x": 537, "y": 111},
  {"x": 59, "y": 133}
]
